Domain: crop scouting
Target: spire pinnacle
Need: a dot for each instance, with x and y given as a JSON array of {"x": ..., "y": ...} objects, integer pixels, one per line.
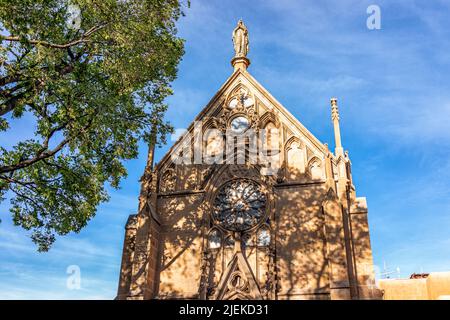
[
  {"x": 334, "y": 109},
  {"x": 339, "y": 151}
]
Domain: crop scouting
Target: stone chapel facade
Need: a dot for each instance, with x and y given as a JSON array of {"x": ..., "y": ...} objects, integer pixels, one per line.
[{"x": 242, "y": 229}]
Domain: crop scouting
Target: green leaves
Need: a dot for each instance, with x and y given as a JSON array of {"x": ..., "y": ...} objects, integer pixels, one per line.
[{"x": 95, "y": 91}]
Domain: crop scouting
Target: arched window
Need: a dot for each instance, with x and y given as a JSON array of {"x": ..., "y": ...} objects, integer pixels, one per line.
[
  {"x": 214, "y": 239},
  {"x": 214, "y": 142},
  {"x": 272, "y": 138},
  {"x": 295, "y": 159},
  {"x": 315, "y": 169},
  {"x": 263, "y": 237}
]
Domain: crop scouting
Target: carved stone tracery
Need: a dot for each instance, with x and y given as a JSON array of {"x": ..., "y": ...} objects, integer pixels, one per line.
[
  {"x": 240, "y": 102},
  {"x": 168, "y": 181},
  {"x": 239, "y": 205}
]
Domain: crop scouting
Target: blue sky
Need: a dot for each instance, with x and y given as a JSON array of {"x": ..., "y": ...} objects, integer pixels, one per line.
[{"x": 393, "y": 88}]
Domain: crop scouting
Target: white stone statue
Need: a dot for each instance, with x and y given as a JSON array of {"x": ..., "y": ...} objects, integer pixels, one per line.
[{"x": 240, "y": 40}]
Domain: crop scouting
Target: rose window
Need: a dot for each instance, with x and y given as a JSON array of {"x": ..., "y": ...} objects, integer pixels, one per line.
[{"x": 239, "y": 205}]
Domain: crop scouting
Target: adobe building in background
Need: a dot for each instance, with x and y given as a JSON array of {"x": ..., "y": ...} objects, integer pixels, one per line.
[
  {"x": 281, "y": 221},
  {"x": 423, "y": 286}
]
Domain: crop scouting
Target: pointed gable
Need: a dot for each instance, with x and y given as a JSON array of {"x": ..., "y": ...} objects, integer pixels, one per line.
[{"x": 267, "y": 109}]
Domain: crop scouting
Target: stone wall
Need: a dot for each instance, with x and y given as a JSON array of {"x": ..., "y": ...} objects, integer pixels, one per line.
[
  {"x": 301, "y": 245},
  {"x": 181, "y": 249}
]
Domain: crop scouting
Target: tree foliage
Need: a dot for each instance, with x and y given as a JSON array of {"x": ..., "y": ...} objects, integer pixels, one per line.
[{"x": 92, "y": 77}]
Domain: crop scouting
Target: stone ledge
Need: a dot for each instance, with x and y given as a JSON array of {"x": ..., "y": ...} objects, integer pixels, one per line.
[{"x": 359, "y": 206}]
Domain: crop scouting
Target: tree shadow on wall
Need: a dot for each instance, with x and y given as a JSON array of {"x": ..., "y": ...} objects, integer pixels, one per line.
[
  {"x": 303, "y": 253},
  {"x": 299, "y": 230},
  {"x": 300, "y": 240},
  {"x": 181, "y": 250}
]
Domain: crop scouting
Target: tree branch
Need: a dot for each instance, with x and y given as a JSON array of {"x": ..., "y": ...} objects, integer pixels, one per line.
[
  {"x": 12, "y": 180},
  {"x": 83, "y": 39},
  {"x": 49, "y": 136},
  {"x": 40, "y": 156},
  {"x": 43, "y": 153},
  {"x": 11, "y": 103},
  {"x": 28, "y": 198}
]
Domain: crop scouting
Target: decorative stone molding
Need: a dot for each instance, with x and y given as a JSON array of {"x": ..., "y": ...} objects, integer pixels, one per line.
[
  {"x": 238, "y": 282},
  {"x": 168, "y": 181},
  {"x": 240, "y": 102}
]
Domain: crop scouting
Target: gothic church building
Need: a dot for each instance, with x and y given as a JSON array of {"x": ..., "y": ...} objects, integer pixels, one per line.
[{"x": 290, "y": 227}]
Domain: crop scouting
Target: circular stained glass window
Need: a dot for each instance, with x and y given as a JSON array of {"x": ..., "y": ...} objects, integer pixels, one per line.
[
  {"x": 239, "y": 124},
  {"x": 239, "y": 205}
]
